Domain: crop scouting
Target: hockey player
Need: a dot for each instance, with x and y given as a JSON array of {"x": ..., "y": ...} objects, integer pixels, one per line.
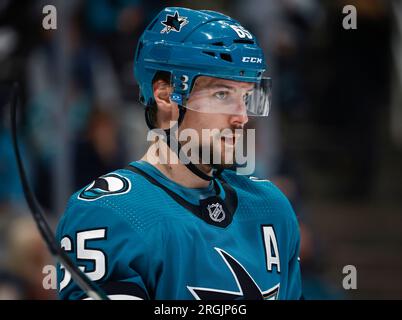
[{"x": 164, "y": 229}]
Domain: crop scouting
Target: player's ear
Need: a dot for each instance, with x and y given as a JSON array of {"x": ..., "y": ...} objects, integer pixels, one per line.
[
  {"x": 162, "y": 92},
  {"x": 166, "y": 109}
]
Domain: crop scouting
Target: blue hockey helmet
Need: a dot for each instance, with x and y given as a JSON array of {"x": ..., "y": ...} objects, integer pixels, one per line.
[{"x": 191, "y": 43}]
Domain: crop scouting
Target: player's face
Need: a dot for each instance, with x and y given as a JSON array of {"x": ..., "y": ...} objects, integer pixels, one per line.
[{"x": 224, "y": 127}]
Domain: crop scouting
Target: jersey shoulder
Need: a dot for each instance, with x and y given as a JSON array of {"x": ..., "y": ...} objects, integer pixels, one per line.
[
  {"x": 259, "y": 191},
  {"x": 121, "y": 196}
]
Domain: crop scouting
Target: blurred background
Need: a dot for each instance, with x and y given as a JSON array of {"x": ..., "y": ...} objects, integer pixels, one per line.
[{"x": 332, "y": 143}]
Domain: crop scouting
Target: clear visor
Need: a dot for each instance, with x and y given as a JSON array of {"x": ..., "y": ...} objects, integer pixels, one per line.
[{"x": 222, "y": 96}]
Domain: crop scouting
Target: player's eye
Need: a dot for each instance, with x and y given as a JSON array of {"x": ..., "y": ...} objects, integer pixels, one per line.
[{"x": 221, "y": 95}]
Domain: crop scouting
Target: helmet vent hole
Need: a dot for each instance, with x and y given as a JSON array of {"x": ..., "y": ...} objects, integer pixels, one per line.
[
  {"x": 210, "y": 53},
  {"x": 219, "y": 44},
  {"x": 243, "y": 41},
  {"x": 226, "y": 57}
]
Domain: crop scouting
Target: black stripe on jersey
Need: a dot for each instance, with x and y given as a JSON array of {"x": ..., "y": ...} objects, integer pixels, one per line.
[
  {"x": 229, "y": 204},
  {"x": 126, "y": 288}
]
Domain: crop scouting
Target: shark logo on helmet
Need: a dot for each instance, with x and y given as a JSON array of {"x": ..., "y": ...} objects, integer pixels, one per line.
[{"x": 174, "y": 23}]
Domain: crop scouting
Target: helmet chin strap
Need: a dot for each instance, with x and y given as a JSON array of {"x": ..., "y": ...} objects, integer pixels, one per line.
[{"x": 191, "y": 166}]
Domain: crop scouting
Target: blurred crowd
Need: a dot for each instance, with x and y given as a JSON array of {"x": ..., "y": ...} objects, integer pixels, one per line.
[{"x": 80, "y": 118}]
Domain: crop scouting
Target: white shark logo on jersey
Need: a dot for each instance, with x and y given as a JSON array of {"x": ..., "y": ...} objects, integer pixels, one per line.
[
  {"x": 107, "y": 185},
  {"x": 248, "y": 289},
  {"x": 216, "y": 212}
]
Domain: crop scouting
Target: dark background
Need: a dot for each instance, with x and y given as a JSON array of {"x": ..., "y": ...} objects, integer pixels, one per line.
[{"x": 332, "y": 143}]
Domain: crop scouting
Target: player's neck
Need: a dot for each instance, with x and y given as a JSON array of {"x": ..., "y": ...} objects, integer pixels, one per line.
[{"x": 175, "y": 170}]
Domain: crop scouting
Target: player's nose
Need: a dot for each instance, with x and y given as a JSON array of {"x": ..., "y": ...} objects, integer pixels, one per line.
[
  {"x": 239, "y": 119},
  {"x": 239, "y": 116}
]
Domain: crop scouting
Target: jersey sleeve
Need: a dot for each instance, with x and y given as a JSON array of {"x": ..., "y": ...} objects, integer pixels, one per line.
[
  {"x": 294, "y": 283},
  {"x": 103, "y": 245}
]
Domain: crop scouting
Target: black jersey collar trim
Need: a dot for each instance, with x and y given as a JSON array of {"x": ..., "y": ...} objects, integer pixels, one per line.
[{"x": 213, "y": 210}]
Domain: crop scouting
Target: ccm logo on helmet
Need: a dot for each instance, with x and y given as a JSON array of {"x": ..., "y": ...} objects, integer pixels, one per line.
[{"x": 252, "y": 59}]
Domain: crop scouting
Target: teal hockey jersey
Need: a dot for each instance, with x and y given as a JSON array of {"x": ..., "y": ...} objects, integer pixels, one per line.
[{"x": 139, "y": 235}]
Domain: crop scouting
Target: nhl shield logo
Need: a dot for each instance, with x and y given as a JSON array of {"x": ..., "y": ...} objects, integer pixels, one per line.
[{"x": 216, "y": 212}]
